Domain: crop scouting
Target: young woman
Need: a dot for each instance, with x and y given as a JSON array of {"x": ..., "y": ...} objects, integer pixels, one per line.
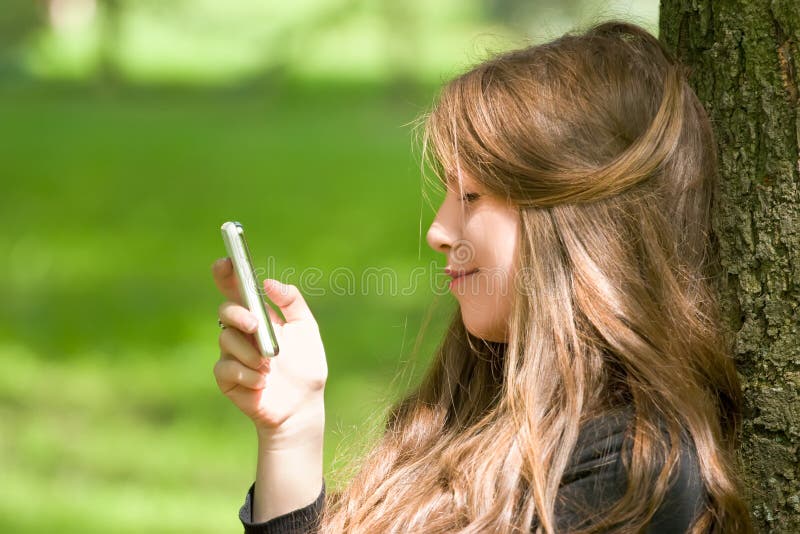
[{"x": 585, "y": 383}]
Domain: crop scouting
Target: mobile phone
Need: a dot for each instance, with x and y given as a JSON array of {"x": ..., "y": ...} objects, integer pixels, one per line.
[{"x": 236, "y": 245}]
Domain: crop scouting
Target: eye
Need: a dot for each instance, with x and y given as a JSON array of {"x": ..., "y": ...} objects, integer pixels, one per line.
[{"x": 470, "y": 197}]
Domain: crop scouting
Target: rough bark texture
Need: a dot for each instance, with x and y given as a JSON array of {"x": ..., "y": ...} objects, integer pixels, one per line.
[{"x": 745, "y": 58}]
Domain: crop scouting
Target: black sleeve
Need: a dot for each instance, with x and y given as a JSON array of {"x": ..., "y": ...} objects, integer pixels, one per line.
[
  {"x": 301, "y": 521},
  {"x": 596, "y": 478}
]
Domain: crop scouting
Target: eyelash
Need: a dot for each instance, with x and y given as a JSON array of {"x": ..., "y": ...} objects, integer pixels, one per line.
[{"x": 470, "y": 197}]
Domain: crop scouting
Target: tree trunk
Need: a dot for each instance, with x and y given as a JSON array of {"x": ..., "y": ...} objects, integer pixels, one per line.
[{"x": 744, "y": 60}]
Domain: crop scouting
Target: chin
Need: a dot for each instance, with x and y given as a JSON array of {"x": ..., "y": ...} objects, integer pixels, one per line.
[{"x": 487, "y": 332}]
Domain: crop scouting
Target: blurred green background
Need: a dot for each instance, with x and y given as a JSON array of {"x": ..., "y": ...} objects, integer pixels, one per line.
[{"x": 129, "y": 131}]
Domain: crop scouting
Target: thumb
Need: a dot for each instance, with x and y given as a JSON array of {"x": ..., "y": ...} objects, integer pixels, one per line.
[{"x": 289, "y": 299}]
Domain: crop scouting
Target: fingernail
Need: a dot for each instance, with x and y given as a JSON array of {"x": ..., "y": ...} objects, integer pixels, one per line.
[{"x": 252, "y": 324}]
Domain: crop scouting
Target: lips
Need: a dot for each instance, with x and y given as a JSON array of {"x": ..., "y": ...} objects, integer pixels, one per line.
[{"x": 454, "y": 274}]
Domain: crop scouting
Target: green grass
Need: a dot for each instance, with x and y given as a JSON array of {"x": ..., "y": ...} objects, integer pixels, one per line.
[{"x": 111, "y": 202}]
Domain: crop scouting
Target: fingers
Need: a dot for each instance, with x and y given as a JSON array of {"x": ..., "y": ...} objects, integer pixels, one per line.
[
  {"x": 288, "y": 298},
  {"x": 230, "y": 373},
  {"x": 237, "y": 316},
  {"x": 226, "y": 280},
  {"x": 228, "y": 285},
  {"x": 234, "y": 343}
]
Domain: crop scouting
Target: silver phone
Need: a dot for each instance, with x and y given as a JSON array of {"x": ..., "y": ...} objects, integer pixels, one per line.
[{"x": 235, "y": 244}]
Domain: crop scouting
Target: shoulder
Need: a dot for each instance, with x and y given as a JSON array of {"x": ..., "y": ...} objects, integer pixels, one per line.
[{"x": 596, "y": 477}]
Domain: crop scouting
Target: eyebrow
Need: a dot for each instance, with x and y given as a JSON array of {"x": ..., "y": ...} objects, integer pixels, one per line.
[{"x": 465, "y": 183}]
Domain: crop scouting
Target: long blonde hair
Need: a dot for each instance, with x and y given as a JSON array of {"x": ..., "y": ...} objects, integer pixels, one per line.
[{"x": 610, "y": 157}]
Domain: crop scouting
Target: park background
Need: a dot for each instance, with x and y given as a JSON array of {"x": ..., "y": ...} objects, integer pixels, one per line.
[{"x": 129, "y": 131}]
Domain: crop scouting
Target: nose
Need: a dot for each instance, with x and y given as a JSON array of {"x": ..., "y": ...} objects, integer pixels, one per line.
[
  {"x": 441, "y": 233},
  {"x": 438, "y": 238}
]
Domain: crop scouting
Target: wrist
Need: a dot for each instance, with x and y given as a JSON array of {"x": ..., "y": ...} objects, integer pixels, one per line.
[
  {"x": 289, "y": 474},
  {"x": 303, "y": 430}
]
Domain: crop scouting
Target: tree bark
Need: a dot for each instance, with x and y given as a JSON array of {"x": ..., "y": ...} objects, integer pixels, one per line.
[{"x": 744, "y": 59}]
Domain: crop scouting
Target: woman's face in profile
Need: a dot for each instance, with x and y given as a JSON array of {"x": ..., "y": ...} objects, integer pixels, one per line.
[{"x": 477, "y": 232}]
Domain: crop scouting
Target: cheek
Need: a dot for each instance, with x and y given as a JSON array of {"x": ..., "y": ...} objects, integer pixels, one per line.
[{"x": 486, "y": 301}]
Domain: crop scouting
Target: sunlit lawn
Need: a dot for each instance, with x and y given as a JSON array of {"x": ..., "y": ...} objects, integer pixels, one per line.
[{"x": 111, "y": 201}]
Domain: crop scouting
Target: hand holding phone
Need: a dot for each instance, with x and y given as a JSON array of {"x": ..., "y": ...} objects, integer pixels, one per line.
[
  {"x": 283, "y": 397},
  {"x": 236, "y": 246}
]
